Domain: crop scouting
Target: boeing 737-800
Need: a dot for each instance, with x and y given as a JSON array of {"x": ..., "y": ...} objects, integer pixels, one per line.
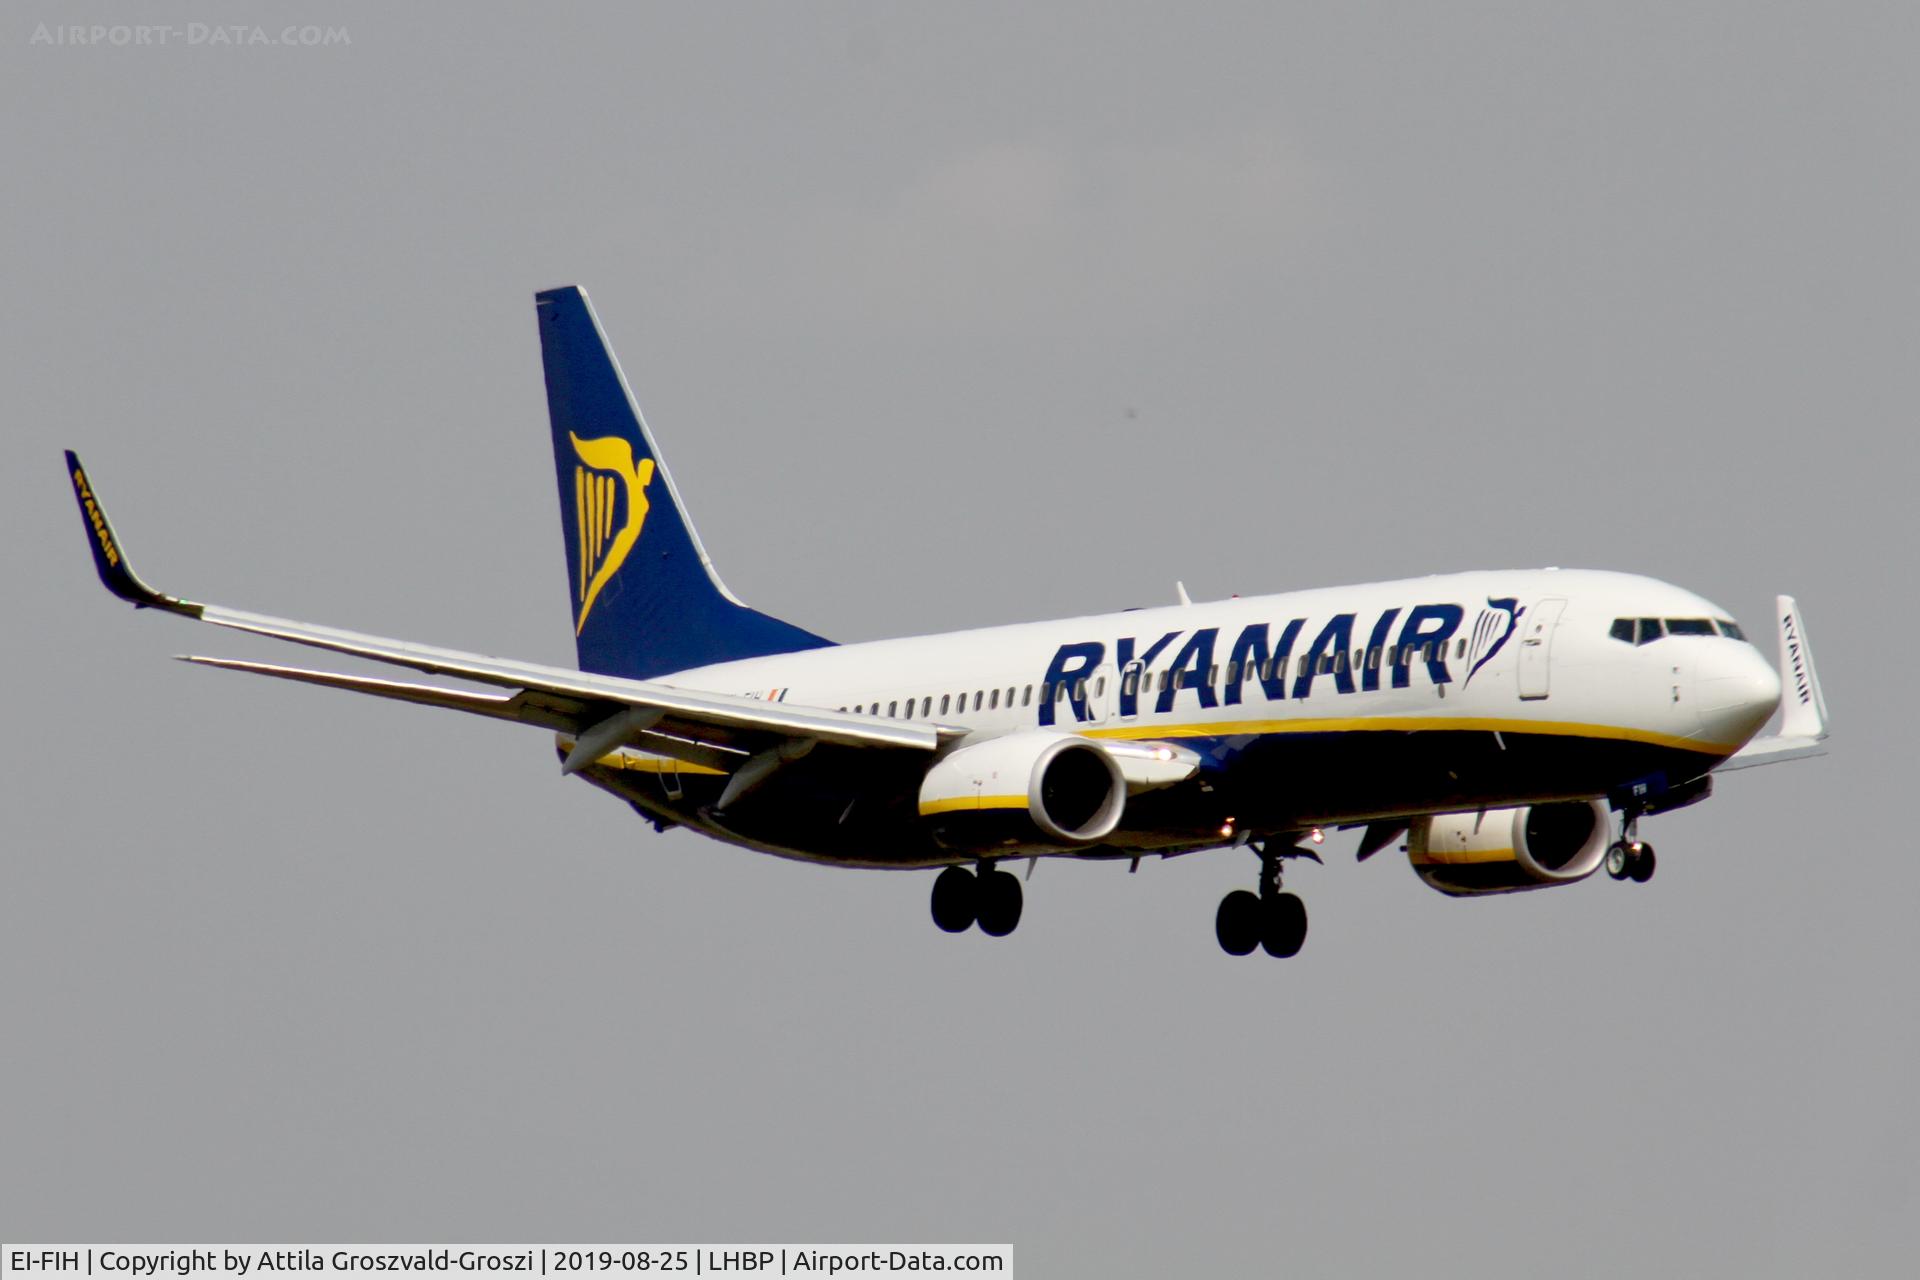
[{"x": 1514, "y": 726}]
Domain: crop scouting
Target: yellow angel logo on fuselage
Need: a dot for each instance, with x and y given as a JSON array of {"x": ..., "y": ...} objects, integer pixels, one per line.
[{"x": 602, "y": 550}]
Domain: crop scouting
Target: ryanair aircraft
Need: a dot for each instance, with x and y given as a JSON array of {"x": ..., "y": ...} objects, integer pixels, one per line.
[{"x": 1513, "y": 727}]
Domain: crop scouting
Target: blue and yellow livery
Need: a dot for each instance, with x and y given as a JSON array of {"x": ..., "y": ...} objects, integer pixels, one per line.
[{"x": 1513, "y": 727}]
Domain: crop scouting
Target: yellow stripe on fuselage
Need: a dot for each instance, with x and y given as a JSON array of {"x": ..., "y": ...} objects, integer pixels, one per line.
[
  {"x": 1410, "y": 724},
  {"x": 958, "y": 803}
]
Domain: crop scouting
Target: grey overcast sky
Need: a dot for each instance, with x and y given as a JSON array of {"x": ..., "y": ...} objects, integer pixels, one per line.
[{"x": 945, "y": 315}]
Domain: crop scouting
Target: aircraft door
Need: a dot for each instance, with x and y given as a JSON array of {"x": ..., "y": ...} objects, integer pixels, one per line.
[
  {"x": 1100, "y": 693},
  {"x": 1130, "y": 677},
  {"x": 1536, "y": 647}
]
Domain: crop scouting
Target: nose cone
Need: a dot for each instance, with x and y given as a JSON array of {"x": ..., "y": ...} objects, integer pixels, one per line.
[{"x": 1738, "y": 693}]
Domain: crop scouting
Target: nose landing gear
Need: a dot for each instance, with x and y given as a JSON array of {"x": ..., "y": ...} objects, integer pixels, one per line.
[
  {"x": 1630, "y": 857},
  {"x": 1630, "y": 860}
]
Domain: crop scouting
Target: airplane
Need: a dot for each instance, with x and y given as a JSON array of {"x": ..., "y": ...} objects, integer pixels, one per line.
[{"x": 1514, "y": 726}]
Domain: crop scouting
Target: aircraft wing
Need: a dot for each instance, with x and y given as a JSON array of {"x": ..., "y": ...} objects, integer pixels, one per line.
[
  {"x": 602, "y": 712},
  {"x": 1803, "y": 707}
]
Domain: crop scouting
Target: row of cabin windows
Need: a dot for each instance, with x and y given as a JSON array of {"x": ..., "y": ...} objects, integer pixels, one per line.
[
  {"x": 1276, "y": 668},
  {"x": 983, "y": 699},
  {"x": 1647, "y": 630},
  {"x": 1138, "y": 682}
]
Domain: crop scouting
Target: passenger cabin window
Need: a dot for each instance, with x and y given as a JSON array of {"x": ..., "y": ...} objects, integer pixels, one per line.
[
  {"x": 926, "y": 706},
  {"x": 1026, "y": 695},
  {"x": 946, "y": 700},
  {"x": 891, "y": 706},
  {"x": 993, "y": 703}
]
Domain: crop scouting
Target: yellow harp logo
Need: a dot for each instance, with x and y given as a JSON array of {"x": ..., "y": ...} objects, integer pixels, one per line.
[{"x": 606, "y": 474}]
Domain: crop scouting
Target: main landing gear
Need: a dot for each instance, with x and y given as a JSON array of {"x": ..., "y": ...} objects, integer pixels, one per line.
[
  {"x": 991, "y": 899},
  {"x": 1630, "y": 857},
  {"x": 1273, "y": 920}
]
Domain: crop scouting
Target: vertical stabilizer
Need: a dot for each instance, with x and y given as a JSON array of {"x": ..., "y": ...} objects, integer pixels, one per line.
[{"x": 646, "y": 600}]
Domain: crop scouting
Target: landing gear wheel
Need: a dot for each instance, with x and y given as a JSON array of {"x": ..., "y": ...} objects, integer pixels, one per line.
[
  {"x": 955, "y": 899},
  {"x": 1237, "y": 923},
  {"x": 1283, "y": 925},
  {"x": 998, "y": 903},
  {"x": 1619, "y": 859},
  {"x": 1641, "y": 869}
]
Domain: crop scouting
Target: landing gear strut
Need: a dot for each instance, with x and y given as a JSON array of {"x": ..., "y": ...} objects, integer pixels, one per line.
[
  {"x": 1629, "y": 857},
  {"x": 991, "y": 899},
  {"x": 1273, "y": 920}
]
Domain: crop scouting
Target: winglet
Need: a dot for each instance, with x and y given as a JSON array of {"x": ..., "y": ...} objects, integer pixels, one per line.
[
  {"x": 1803, "y": 708},
  {"x": 116, "y": 574}
]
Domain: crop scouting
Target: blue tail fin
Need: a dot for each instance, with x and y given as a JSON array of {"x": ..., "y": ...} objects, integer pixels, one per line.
[{"x": 646, "y": 600}]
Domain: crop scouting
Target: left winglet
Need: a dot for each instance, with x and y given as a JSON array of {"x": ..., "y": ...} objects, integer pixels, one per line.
[{"x": 116, "y": 574}]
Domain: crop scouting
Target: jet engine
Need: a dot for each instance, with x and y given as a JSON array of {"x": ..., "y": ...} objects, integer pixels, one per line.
[
  {"x": 1508, "y": 850},
  {"x": 1029, "y": 790}
]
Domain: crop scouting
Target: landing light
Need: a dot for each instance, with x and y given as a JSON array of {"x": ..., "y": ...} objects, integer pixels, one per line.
[
  {"x": 1317, "y": 836},
  {"x": 1163, "y": 753}
]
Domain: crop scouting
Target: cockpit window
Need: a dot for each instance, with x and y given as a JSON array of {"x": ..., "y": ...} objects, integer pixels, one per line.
[{"x": 1647, "y": 630}]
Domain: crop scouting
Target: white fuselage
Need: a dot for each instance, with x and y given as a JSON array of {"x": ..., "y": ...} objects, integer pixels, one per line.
[
  {"x": 1334, "y": 704},
  {"x": 1674, "y": 691}
]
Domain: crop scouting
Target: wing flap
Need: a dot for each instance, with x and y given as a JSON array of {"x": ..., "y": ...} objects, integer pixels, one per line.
[{"x": 519, "y": 706}]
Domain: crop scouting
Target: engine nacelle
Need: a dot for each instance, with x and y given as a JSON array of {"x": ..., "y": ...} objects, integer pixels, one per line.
[
  {"x": 1509, "y": 850},
  {"x": 1029, "y": 790}
]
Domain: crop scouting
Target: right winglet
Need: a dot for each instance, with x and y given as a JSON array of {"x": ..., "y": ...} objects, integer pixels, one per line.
[
  {"x": 1803, "y": 708},
  {"x": 108, "y": 559}
]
